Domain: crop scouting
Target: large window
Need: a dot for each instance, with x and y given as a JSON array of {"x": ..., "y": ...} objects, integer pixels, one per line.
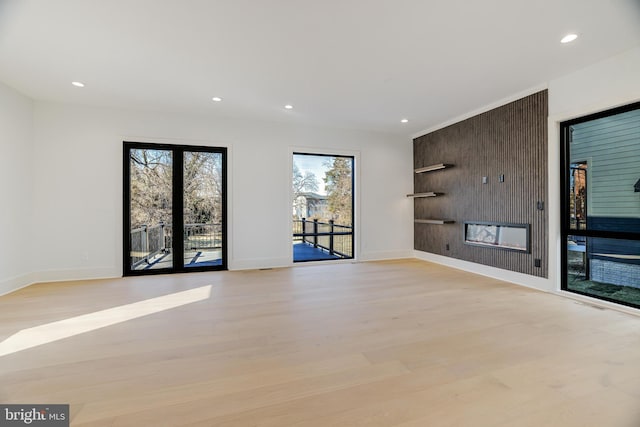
[
  {"x": 322, "y": 207},
  {"x": 174, "y": 208},
  {"x": 601, "y": 205}
]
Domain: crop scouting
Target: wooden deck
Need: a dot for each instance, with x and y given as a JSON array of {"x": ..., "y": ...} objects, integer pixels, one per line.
[
  {"x": 306, "y": 252},
  {"x": 398, "y": 343}
]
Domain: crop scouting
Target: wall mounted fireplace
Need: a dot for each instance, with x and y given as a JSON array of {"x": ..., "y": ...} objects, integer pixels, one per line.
[{"x": 513, "y": 237}]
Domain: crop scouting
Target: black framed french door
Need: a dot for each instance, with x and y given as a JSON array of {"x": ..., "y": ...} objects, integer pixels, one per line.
[
  {"x": 600, "y": 210},
  {"x": 174, "y": 208}
]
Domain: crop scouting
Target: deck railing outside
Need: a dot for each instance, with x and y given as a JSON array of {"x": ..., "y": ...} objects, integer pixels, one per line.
[
  {"x": 202, "y": 236},
  {"x": 150, "y": 241},
  {"x": 334, "y": 238}
]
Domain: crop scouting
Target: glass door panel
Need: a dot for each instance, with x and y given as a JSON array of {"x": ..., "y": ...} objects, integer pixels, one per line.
[
  {"x": 202, "y": 207},
  {"x": 150, "y": 201}
]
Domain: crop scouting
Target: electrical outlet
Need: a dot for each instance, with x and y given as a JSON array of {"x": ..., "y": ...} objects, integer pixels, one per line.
[
  {"x": 537, "y": 262},
  {"x": 501, "y": 178},
  {"x": 484, "y": 179},
  {"x": 447, "y": 247}
]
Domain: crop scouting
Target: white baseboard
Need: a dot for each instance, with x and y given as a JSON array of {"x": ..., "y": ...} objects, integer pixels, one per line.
[
  {"x": 534, "y": 282},
  {"x": 256, "y": 263},
  {"x": 78, "y": 274},
  {"x": 12, "y": 284},
  {"x": 385, "y": 255},
  {"x": 18, "y": 282}
]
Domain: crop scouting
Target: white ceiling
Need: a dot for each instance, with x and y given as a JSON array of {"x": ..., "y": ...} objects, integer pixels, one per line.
[{"x": 361, "y": 64}]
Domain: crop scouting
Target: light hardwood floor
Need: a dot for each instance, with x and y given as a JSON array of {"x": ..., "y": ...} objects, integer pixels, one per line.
[{"x": 399, "y": 343}]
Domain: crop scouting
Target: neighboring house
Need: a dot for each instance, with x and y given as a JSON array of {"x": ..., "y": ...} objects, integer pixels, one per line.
[
  {"x": 311, "y": 205},
  {"x": 605, "y": 155}
]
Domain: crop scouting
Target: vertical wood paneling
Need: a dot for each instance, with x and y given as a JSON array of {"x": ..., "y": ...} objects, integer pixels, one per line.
[{"x": 509, "y": 140}]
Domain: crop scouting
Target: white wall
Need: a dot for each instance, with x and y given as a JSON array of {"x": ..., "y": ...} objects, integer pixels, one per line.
[
  {"x": 599, "y": 87},
  {"x": 78, "y": 185},
  {"x": 16, "y": 190}
]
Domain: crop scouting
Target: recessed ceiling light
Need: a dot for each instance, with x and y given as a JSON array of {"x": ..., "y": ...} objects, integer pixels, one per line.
[
  {"x": 288, "y": 107},
  {"x": 216, "y": 99},
  {"x": 78, "y": 84},
  {"x": 404, "y": 121},
  {"x": 569, "y": 38}
]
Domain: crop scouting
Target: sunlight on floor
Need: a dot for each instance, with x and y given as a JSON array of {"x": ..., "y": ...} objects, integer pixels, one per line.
[{"x": 50, "y": 332}]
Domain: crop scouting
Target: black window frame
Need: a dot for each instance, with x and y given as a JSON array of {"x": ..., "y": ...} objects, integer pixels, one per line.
[
  {"x": 565, "y": 183},
  {"x": 353, "y": 202},
  {"x": 177, "y": 201}
]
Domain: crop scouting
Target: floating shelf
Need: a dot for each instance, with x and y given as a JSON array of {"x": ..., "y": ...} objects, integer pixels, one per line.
[
  {"x": 432, "y": 168},
  {"x": 434, "y": 221},
  {"x": 428, "y": 194}
]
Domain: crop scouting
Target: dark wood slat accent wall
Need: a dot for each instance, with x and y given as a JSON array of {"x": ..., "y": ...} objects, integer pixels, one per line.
[{"x": 510, "y": 140}]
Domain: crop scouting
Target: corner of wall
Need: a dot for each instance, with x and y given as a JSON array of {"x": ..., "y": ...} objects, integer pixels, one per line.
[
  {"x": 13, "y": 284},
  {"x": 78, "y": 274},
  {"x": 17, "y": 189}
]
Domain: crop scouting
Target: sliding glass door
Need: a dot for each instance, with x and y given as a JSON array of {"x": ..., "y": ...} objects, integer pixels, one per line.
[
  {"x": 174, "y": 208},
  {"x": 601, "y": 205}
]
